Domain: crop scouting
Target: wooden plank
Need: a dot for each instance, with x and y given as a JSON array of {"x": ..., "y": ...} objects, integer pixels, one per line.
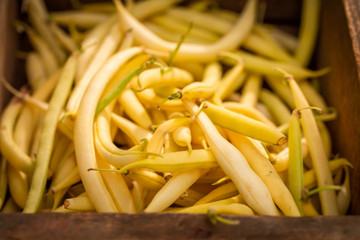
[
  {"x": 352, "y": 11},
  {"x": 338, "y": 48},
  {"x": 8, "y": 43},
  {"x": 172, "y": 226},
  {"x": 276, "y": 10}
]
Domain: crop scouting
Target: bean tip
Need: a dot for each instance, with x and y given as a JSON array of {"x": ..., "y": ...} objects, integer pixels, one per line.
[
  {"x": 282, "y": 140},
  {"x": 66, "y": 204}
]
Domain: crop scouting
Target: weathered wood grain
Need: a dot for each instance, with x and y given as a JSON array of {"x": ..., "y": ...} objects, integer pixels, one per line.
[
  {"x": 8, "y": 42},
  {"x": 172, "y": 226},
  {"x": 338, "y": 48}
]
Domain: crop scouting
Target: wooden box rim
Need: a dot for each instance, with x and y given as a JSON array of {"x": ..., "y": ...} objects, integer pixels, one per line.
[{"x": 180, "y": 226}]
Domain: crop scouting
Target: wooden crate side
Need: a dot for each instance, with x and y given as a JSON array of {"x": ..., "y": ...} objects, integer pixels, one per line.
[
  {"x": 338, "y": 48},
  {"x": 8, "y": 44},
  {"x": 173, "y": 226}
]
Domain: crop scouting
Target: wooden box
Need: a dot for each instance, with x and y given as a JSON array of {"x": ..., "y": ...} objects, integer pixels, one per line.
[{"x": 338, "y": 47}]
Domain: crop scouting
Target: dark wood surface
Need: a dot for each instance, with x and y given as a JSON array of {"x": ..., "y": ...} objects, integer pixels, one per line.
[
  {"x": 8, "y": 43},
  {"x": 338, "y": 48},
  {"x": 170, "y": 226}
]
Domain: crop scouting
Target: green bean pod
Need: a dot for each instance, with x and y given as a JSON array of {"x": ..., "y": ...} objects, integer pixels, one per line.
[{"x": 296, "y": 176}]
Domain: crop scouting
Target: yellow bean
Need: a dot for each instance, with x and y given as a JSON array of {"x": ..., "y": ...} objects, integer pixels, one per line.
[
  {"x": 24, "y": 128},
  {"x": 314, "y": 97},
  {"x": 127, "y": 41},
  {"x": 10, "y": 206},
  {"x": 188, "y": 198},
  {"x": 84, "y": 136},
  {"x": 310, "y": 177},
  {"x": 44, "y": 31},
  {"x": 285, "y": 39},
  {"x": 151, "y": 100},
  {"x": 201, "y": 19},
  {"x": 226, "y": 190},
  {"x": 326, "y": 137},
  {"x": 108, "y": 150},
  {"x": 166, "y": 91},
  {"x": 281, "y": 89},
  {"x": 170, "y": 35},
  {"x": 264, "y": 66},
  {"x": 192, "y": 52},
  {"x": 232, "y": 208},
  {"x": 78, "y": 18},
  {"x": 344, "y": 196},
  {"x": 138, "y": 194},
  {"x": 9, "y": 149},
  {"x": 91, "y": 43},
  {"x": 264, "y": 44},
  {"x": 39, "y": 8},
  {"x": 231, "y": 81},
  {"x": 145, "y": 9},
  {"x": 48, "y": 58},
  {"x": 65, "y": 166},
  {"x": 135, "y": 132},
  {"x": 308, "y": 30},
  {"x": 212, "y": 73},
  {"x": 182, "y": 137},
  {"x": 176, "y": 161},
  {"x": 62, "y": 209},
  {"x": 18, "y": 186},
  {"x": 156, "y": 142},
  {"x": 63, "y": 148},
  {"x": 277, "y": 108},
  {"x": 309, "y": 209},
  {"x": 173, "y": 189},
  {"x": 203, "y": 208},
  {"x": 65, "y": 40},
  {"x": 197, "y": 135},
  {"x": 197, "y": 90},
  {"x": 250, "y": 91},
  {"x": 264, "y": 169},
  {"x": 316, "y": 149},
  {"x": 244, "y": 125},
  {"x": 281, "y": 160},
  {"x": 71, "y": 179},
  {"x": 118, "y": 188},
  {"x": 106, "y": 49},
  {"x": 65, "y": 124},
  {"x": 235, "y": 165},
  {"x": 212, "y": 176},
  {"x": 136, "y": 111},
  {"x": 156, "y": 78},
  {"x": 168, "y": 22},
  {"x": 79, "y": 204},
  {"x": 35, "y": 69},
  {"x": 148, "y": 179},
  {"x": 248, "y": 111}
]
